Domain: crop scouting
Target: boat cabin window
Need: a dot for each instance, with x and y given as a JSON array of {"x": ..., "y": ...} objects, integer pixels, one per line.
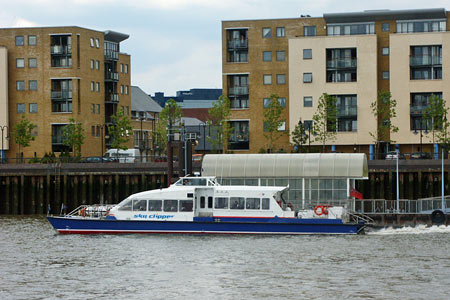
[
  {"x": 171, "y": 205},
  {"x": 210, "y": 202},
  {"x": 237, "y": 202},
  {"x": 186, "y": 205},
  {"x": 154, "y": 205},
  {"x": 265, "y": 203},
  {"x": 252, "y": 203},
  {"x": 221, "y": 202},
  {"x": 139, "y": 205},
  {"x": 202, "y": 202},
  {"x": 126, "y": 206},
  {"x": 193, "y": 181}
]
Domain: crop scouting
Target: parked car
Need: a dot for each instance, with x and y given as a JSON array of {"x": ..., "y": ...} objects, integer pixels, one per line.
[
  {"x": 420, "y": 155},
  {"x": 393, "y": 155}
]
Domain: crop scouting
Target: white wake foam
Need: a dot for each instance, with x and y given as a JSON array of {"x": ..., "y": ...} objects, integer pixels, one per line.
[{"x": 419, "y": 229}]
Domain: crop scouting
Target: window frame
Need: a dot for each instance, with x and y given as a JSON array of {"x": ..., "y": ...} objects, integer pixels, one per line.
[
  {"x": 281, "y": 82},
  {"x": 17, "y": 85},
  {"x": 305, "y": 51},
  {"x": 278, "y": 58},
  {"x": 268, "y": 35},
  {"x": 17, "y": 63},
  {"x": 305, "y": 78},
  {"x": 265, "y": 58},
  {"x": 22, "y": 108},
  {"x": 267, "y": 76},
  {"x": 92, "y": 44},
  {"x": 35, "y": 40},
  {"x": 306, "y": 29},
  {"x": 383, "y": 51},
  {"x": 307, "y": 103},
  {"x": 31, "y": 110},
  {"x": 30, "y": 87},
  {"x": 17, "y": 40},
  {"x": 282, "y": 31}
]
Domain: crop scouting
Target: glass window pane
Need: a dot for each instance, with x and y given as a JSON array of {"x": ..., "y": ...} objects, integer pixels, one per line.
[
  {"x": 265, "y": 203},
  {"x": 267, "y": 32},
  {"x": 307, "y": 53},
  {"x": 252, "y": 203},
  {"x": 186, "y": 205},
  {"x": 139, "y": 205},
  {"x": 32, "y": 40},
  {"x": 171, "y": 205},
  {"x": 237, "y": 202},
  {"x": 20, "y": 41},
  {"x": 281, "y": 55},
  {"x": 221, "y": 202},
  {"x": 154, "y": 205},
  {"x": 267, "y": 79},
  {"x": 267, "y": 55}
]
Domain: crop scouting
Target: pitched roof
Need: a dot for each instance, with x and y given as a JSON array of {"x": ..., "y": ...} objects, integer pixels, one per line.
[{"x": 140, "y": 101}]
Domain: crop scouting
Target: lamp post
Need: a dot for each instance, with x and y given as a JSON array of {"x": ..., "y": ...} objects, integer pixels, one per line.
[
  {"x": 421, "y": 135},
  {"x": 141, "y": 134},
  {"x": 102, "y": 127},
  {"x": 7, "y": 136}
]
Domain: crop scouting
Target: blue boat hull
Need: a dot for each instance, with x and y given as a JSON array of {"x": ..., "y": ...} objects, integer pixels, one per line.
[{"x": 71, "y": 225}]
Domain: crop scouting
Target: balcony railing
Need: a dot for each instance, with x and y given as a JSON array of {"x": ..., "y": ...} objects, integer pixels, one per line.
[
  {"x": 347, "y": 111},
  {"x": 238, "y": 90},
  {"x": 61, "y": 95},
  {"x": 112, "y": 98},
  {"x": 237, "y": 43},
  {"x": 425, "y": 60},
  {"x": 112, "y": 76},
  {"x": 417, "y": 110},
  {"x": 341, "y": 63},
  {"x": 61, "y": 50},
  {"x": 111, "y": 55}
]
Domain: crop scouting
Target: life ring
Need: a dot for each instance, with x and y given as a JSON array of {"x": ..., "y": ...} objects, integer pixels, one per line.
[{"x": 323, "y": 210}]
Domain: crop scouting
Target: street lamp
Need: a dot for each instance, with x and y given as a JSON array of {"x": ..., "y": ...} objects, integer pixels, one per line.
[
  {"x": 7, "y": 137},
  {"x": 102, "y": 126},
  {"x": 421, "y": 135}
]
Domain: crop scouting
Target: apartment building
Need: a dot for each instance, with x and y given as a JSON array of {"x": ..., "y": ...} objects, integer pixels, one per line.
[
  {"x": 351, "y": 56},
  {"x": 54, "y": 74}
]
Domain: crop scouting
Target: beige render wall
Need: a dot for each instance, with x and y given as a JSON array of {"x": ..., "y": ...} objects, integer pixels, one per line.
[
  {"x": 365, "y": 88},
  {"x": 401, "y": 86},
  {"x": 4, "y": 94}
]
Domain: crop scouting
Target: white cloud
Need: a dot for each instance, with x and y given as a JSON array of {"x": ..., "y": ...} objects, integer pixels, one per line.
[{"x": 10, "y": 20}]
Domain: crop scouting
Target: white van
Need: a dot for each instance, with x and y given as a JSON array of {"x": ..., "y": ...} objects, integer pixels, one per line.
[{"x": 125, "y": 156}]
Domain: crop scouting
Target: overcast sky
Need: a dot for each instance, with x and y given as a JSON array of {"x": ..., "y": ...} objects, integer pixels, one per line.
[{"x": 176, "y": 44}]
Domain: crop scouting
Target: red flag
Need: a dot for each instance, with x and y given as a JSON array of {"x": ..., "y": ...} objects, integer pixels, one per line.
[{"x": 356, "y": 194}]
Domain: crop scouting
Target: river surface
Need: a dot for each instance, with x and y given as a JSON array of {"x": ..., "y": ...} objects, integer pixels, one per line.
[{"x": 38, "y": 263}]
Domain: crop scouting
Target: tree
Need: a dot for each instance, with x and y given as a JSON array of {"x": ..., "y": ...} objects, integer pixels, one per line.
[
  {"x": 73, "y": 136},
  {"x": 433, "y": 115},
  {"x": 120, "y": 130},
  {"x": 272, "y": 121},
  {"x": 383, "y": 109},
  {"x": 22, "y": 133},
  {"x": 325, "y": 120},
  {"x": 299, "y": 136},
  {"x": 219, "y": 122},
  {"x": 170, "y": 116}
]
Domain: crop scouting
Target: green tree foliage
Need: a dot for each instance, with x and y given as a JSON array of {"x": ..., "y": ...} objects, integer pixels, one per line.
[
  {"x": 219, "y": 123},
  {"x": 383, "y": 109},
  {"x": 22, "y": 133},
  {"x": 169, "y": 117},
  {"x": 325, "y": 120},
  {"x": 272, "y": 121},
  {"x": 433, "y": 115},
  {"x": 120, "y": 130},
  {"x": 299, "y": 136},
  {"x": 73, "y": 136}
]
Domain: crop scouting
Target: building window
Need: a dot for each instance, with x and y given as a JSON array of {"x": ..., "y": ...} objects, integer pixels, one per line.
[
  {"x": 281, "y": 56},
  {"x": 61, "y": 51},
  {"x": 20, "y": 108},
  {"x": 267, "y": 79},
  {"x": 121, "y": 89},
  {"x": 351, "y": 29},
  {"x": 309, "y": 30},
  {"x": 32, "y": 40},
  {"x": 35, "y": 131},
  {"x": 238, "y": 91},
  {"x": 121, "y": 68},
  {"x": 33, "y": 108},
  {"x": 20, "y": 85},
  {"x": 97, "y": 43},
  {"x": 280, "y": 32},
  {"x": 341, "y": 65},
  {"x": 97, "y": 86},
  {"x": 128, "y": 110},
  {"x": 385, "y": 27},
  {"x": 93, "y": 108},
  {"x": 425, "y": 62},
  {"x": 267, "y": 55},
  {"x": 347, "y": 113},
  {"x": 98, "y": 108},
  {"x": 267, "y": 32},
  {"x": 418, "y": 107},
  {"x": 268, "y": 101},
  {"x": 32, "y": 85},
  {"x": 92, "y": 86},
  {"x": 20, "y": 41},
  {"x": 61, "y": 95},
  {"x": 20, "y": 63},
  {"x": 92, "y": 42},
  {"x": 307, "y": 77},
  {"x": 385, "y": 51},
  {"x": 307, "y": 53},
  {"x": 93, "y": 130},
  {"x": 237, "y": 46},
  {"x": 57, "y": 139},
  {"x": 308, "y": 124},
  {"x": 240, "y": 136},
  {"x": 32, "y": 63},
  {"x": 421, "y": 26},
  {"x": 126, "y": 68},
  {"x": 126, "y": 90},
  {"x": 281, "y": 79},
  {"x": 92, "y": 64},
  {"x": 97, "y": 64},
  {"x": 307, "y": 101},
  {"x": 282, "y": 127},
  {"x": 385, "y": 75}
]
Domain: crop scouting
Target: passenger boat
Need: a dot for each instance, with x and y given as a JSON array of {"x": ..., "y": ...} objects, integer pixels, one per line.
[{"x": 198, "y": 205}]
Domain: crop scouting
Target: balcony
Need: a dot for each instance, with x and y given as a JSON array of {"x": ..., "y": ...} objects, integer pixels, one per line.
[
  {"x": 425, "y": 60},
  {"x": 111, "y": 55},
  {"x": 111, "y": 76},
  {"x": 61, "y": 50},
  {"x": 237, "y": 44},
  {"x": 347, "y": 111},
  {"x": 238, "y": 90},
  {"x": 417, "y": 110},
  {"x": 61, "y": 95},
  {"x": 114, "y": 98},
  {"x": 345, "y": 63}
]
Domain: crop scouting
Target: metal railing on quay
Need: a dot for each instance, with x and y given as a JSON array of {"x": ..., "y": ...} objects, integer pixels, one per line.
[
  {"x": 383, "y": 206},
  {"x": 89, "y": 159}
]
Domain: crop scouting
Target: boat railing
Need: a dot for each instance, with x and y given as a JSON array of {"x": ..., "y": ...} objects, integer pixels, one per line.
[
  {"x": 91, "y": 211},
  {"x": 359, "y": 217}
]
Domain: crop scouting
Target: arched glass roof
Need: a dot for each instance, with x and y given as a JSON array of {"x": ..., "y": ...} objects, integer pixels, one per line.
[{"x": 325, "y": 165}]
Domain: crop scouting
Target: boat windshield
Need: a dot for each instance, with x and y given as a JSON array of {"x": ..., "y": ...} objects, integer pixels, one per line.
[{"x": 192, "y": 181}]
